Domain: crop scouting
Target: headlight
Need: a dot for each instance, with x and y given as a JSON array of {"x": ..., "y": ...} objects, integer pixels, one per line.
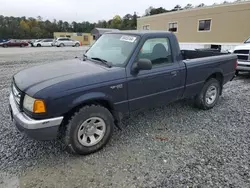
[{"x": 34, "y": 105}]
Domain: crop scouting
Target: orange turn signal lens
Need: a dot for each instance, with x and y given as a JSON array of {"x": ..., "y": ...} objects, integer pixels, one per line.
[{"x": 39, "y": 106}]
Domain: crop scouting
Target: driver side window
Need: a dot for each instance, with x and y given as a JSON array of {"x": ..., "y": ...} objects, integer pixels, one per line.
[{"x": 157, "y": 50}]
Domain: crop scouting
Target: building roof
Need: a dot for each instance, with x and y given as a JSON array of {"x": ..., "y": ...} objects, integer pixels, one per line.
[{"x": 195, "y": 9}]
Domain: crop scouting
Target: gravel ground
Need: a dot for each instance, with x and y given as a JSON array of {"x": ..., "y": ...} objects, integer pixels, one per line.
[{"x": 172, "y": 146}]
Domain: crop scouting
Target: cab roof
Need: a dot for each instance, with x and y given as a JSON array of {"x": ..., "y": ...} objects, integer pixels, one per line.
[{"x": 141, "y": 32}]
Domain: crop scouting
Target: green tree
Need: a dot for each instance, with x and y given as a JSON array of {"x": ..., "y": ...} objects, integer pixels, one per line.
[
  {"x": 66, "y": 27},
  {"x": 177, "y": 7},
  {"x": 126, "y": 22},
  {"x": 148, "y": 11},
  {"x": 116, "y": 22},
  {"x": 25, "y": 29},
  {"x": 201, "y": 5},
  {"x": 188, "y": 6},
  {"x": 134, "y": 21},
  {"x": 158, "y": 11},
  {"x": 36, "y": 32}
]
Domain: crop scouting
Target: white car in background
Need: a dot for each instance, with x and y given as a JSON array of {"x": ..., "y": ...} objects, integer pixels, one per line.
[
  {"x": 43, "y": 43},
  {"x": 243, "y": 53},
  {"x": 64, "y": 41}
]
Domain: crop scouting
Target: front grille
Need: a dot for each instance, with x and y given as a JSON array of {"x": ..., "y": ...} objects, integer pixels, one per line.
[
  {"x": 243, "y": 57},
  {"x": 17, "y": 94},
  {"x": 244, "y": 65},
  {"x": 241, "y": 52}
]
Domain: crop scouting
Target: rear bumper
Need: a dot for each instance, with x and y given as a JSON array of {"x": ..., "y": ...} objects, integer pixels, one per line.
[{"x": 45, "y": 129}]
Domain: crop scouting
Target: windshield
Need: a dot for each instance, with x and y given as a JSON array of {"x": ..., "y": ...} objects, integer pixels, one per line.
[
  {"x": 248, "y": 40},
  {"x": 113, "y": 48}
]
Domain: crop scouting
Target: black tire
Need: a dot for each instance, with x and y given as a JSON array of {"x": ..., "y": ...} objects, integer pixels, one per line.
[
  {"x": 70, "y": 135},
  {"x": 5, "y": 45},
  {"x": 237, "y": 73},
  {"x": 61, "y": 45},
  {"x": 200, "y": 100},
  {"x": 77, "y": 45},
  {"x": 21, "y": 45},
  {"x": 38, "y": 45}
]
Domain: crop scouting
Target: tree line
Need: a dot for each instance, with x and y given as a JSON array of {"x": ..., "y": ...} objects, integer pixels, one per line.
[{"x": 29, "y": 28}]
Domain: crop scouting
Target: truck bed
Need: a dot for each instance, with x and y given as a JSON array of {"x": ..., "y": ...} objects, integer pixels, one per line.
[
  {"x": 200, "y": 65},
  {"x": 193, "y": 54}
]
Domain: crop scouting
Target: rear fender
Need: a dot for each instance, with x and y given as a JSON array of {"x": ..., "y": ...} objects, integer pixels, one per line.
[{"x": 217, "y": 74}]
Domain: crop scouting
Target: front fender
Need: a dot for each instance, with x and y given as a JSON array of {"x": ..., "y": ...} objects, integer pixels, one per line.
[{"x": 93, "y": 96}]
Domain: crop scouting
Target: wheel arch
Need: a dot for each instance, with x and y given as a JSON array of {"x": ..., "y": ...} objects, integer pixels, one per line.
[
  {"x": 95, "y": 98},
  {"x": 218, "y": 76}
]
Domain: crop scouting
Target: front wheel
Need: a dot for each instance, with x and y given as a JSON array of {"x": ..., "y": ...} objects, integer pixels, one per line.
[
  {"x": 77, "y": 45},
  {"x": 209, "y": 95},
  {"x": 88, "y": 130}
]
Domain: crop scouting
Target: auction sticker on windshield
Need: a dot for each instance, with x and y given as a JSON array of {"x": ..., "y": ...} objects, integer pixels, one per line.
[{"x": 128, "y": 38}]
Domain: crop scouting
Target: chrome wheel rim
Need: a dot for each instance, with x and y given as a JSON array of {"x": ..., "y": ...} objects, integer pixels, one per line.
[
  {"x": 211, "y": 95},
  {"x": 91, "y": 131}
]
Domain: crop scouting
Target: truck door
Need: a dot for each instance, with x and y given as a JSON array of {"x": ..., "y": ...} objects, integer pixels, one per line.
[{"x": 160, "y": 85}]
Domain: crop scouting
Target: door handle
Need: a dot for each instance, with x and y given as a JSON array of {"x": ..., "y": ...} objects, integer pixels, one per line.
[{"x": 173, "y": 73}]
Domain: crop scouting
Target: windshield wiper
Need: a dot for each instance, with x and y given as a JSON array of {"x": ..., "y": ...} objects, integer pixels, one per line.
[{"x": 109, "y": 64}]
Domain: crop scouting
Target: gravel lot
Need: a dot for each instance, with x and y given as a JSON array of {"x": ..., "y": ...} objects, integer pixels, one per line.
[{"x": 172, "y": 146}]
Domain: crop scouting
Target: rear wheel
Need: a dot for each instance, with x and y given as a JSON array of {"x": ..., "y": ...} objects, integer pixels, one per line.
[
  {"x": 209, "y": 94},
  {"x": 88, "y": 130},
  {"x": 61, "y": 45},
  {"x": 38, "y": 45},
  {"x": 22, "y": 45},
  {"x": 5, "y": 46},
  {"x": 77, "y": 45}
]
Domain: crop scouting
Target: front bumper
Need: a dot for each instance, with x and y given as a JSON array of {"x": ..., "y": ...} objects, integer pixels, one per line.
[
  {"x": 243, "y": 66},
  {"x": 45, "y": 129}
]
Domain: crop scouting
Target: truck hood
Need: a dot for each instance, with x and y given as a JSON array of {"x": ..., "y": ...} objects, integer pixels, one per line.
[
  {"x": 73, "y": 73},
  {"x": 243, "y": 47}
]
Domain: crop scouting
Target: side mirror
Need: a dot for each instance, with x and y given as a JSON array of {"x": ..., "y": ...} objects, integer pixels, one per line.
[{"x": 142, "y": 64}]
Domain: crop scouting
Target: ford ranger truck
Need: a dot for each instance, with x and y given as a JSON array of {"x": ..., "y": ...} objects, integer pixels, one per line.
[{"x": 83, "y": 99}]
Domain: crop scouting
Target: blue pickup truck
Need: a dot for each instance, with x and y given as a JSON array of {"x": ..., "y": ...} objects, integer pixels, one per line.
[{"x": 83, "y": 99}]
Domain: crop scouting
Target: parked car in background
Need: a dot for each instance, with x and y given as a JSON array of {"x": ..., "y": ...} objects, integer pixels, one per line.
[
  {"x": 64, "y": 41},
  {"x": 83, "y": 99},
  {"x": 3, "y": 40},
  {"x": 243, "y": 53},
  {"x": 31, "y": 42},
  {"x": 13, "y": 42},
  {"x": 43, "y": 43}
]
